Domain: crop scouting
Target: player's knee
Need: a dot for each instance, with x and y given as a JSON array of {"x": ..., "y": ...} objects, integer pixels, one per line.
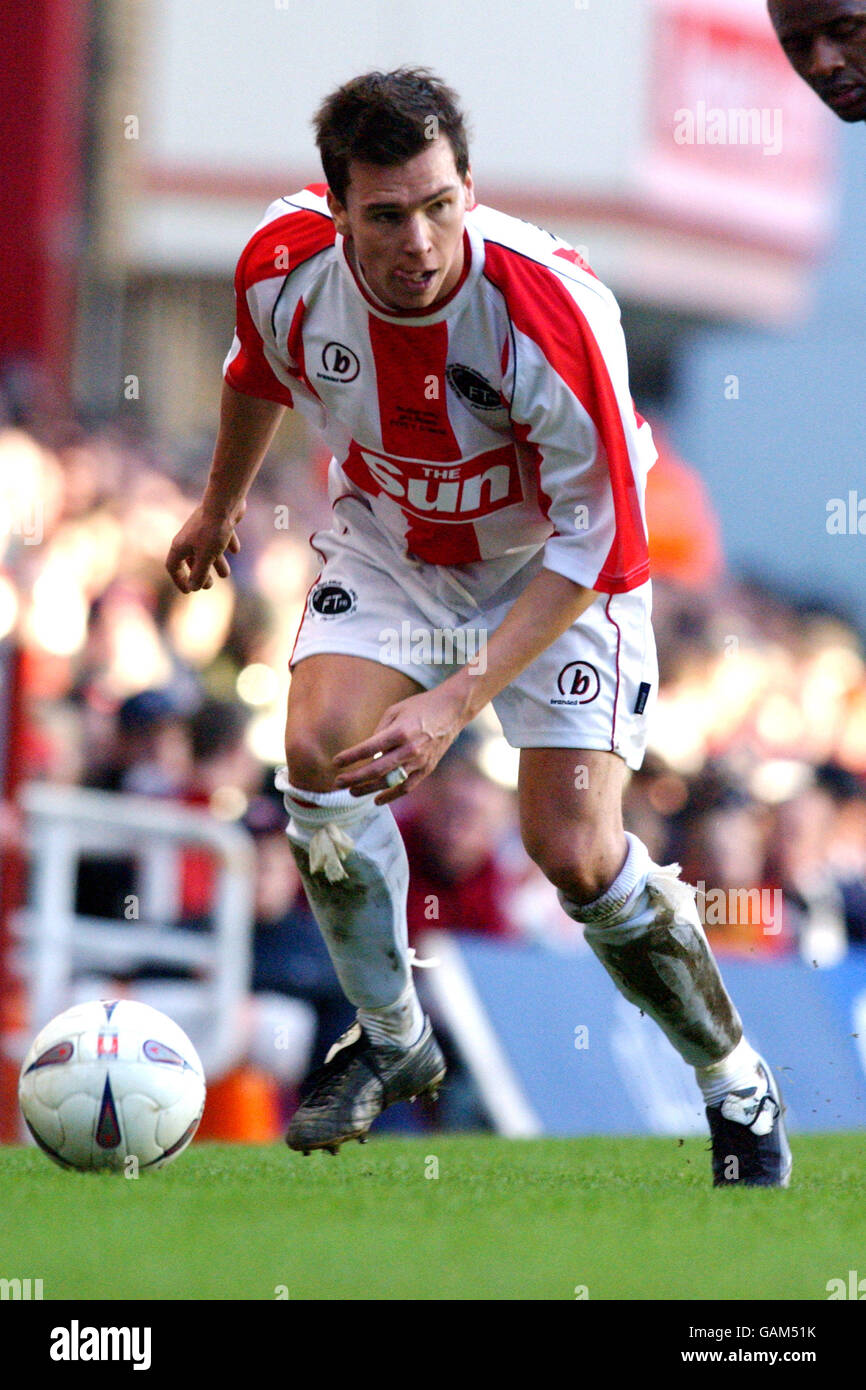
[
  {"x": 581, "y": 863},
  {"x": 309, "y": 757}
]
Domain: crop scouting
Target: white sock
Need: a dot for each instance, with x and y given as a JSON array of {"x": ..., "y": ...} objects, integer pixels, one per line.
[
  {"x": 733, "y": 1073},
  {"x": 616, "y": 905},
  {"x": 397, "y": 1025},
  {"x": 353, "y": 863}
]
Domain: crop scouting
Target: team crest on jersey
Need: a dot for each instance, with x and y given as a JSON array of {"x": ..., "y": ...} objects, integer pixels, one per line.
[
  {"x": 340, "y": 363},
  {"x": 578, "y": 683},
  {"x": 331, "y": 599},
  {"x": 472, "y": 387}
]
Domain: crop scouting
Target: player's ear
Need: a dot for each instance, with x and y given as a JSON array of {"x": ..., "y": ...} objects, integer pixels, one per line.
[
  {"x": 469, "y": 186},
  {"x": 339, "y": 214}
]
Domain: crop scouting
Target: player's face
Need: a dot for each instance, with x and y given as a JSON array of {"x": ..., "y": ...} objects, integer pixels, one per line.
[
  {"x": 825, "y": 41},
  {"x": 404, "y": 225}
]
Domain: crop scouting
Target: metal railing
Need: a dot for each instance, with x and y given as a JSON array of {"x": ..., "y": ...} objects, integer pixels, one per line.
[{"x": 55, "y": 944}]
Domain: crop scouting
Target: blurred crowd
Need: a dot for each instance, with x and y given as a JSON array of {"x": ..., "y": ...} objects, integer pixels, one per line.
[{"x": 754, "y": 781}]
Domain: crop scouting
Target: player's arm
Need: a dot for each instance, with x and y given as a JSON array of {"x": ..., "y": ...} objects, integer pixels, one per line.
[
  {"x": 247, "y": 426},
  {"x": 415, "y": 732},
  {"x": 548, "y": 606}
]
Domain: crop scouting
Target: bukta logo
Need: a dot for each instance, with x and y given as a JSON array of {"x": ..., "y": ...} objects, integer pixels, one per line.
[
  {"x": 578, "y": 683},
  {"x": 340, "y": 363}
]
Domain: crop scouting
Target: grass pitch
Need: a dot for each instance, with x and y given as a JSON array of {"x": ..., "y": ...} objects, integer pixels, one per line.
[{"x": 437, "y": 1218}]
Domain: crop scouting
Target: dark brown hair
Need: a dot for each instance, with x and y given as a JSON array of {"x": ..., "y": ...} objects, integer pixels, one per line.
[{"x": 385, "y": 118}]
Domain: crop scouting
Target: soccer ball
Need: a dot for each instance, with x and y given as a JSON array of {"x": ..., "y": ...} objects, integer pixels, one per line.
[{"x": 112, "y": 1081}]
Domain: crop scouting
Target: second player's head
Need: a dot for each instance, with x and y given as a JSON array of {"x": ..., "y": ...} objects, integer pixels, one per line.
[
  {"x": 394, "y": 151},
  {"x": 825, "y": 41}
]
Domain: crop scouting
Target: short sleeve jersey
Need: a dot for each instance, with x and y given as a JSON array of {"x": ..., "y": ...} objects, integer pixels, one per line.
[{"x": 498, "y": 422}]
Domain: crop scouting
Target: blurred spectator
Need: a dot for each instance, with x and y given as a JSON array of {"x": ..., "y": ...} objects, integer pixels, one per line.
[
  {"x": 224, "y": 775},
  {"x": 148, "y": 753},
  {"x": 800, "y": 855},
  {"x": 152, "y": 753},
  {"x": 847, "y": 848},
  {"x": 653, "y": 796},
  {"x": 722, "y": 848},
  {"x": 222, "y": 762},
  {"x": 454, "y": 828}
]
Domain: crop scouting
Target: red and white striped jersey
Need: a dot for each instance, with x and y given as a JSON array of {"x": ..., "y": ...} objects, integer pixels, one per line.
[{"x": 493, "y": 424}]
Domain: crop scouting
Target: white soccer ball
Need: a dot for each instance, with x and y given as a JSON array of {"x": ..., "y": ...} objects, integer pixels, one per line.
[{"x": 112, "y": 1084}]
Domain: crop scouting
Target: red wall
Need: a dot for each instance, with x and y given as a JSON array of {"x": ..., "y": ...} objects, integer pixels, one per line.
[{"x": 43, "y": 47}]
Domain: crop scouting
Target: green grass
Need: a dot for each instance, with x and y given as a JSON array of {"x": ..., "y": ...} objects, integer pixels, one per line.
[{"x": 504, "y": 1219}]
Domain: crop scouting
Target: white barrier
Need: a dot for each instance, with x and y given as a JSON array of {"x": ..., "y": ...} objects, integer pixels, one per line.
[{"x": 55, "y": 945}]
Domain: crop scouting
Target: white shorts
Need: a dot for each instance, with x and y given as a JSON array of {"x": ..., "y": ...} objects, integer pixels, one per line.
[{"x": 594, "y": 687}]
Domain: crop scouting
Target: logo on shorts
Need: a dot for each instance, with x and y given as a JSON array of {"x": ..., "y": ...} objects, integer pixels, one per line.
[
  {"x": 340, "y": 363},
  {"x": 473, "y": 387},
  {"x": 578, "y": 682},
  {"x": 332, "y": 599}
]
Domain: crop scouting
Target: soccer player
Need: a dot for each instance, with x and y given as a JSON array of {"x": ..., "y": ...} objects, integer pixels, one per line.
[
  {"x": 825, "y": 41},
  {"x": 469, "y": 372}
]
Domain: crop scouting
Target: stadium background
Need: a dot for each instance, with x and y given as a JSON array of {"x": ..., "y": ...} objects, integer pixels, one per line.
[{"x": 144, "y": 139}]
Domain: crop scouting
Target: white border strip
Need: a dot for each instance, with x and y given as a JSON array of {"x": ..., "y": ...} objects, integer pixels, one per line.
[{"x": 461, "y": 1009}]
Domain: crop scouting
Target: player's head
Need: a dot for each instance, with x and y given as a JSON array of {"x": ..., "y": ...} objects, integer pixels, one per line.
[
  {"x": 394, "y": 151},
  {"x": 825, "y": 41}
]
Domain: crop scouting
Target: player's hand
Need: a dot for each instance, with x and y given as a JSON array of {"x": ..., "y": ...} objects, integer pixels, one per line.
[
  {"x": 198, "y": 551},
  {"x": 412, "y": 734}
]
